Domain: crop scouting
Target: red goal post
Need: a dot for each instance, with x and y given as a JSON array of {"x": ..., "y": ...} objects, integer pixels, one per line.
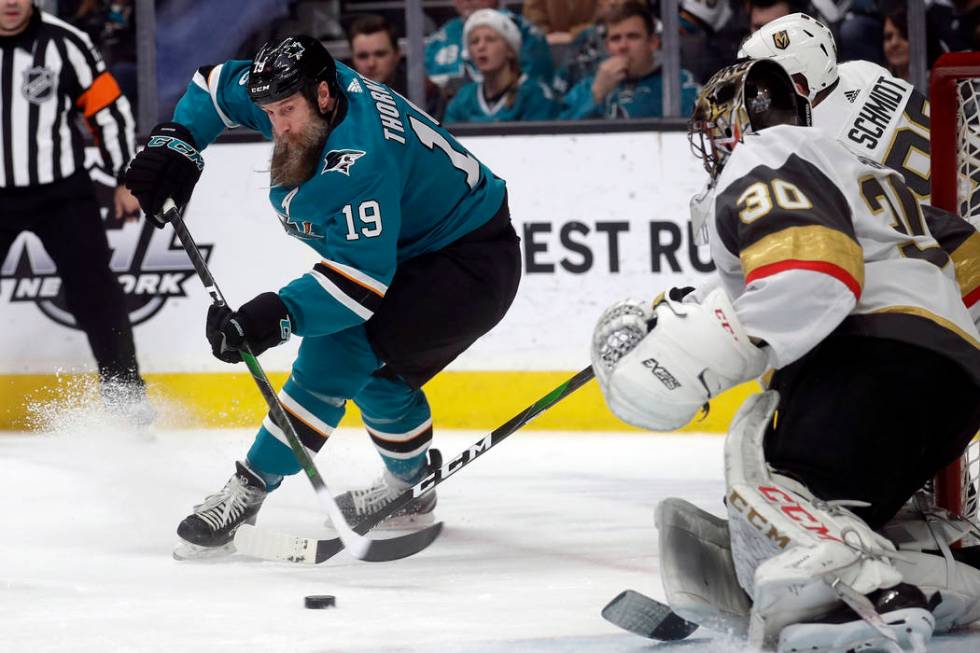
[{"x": 954, "y": 98}]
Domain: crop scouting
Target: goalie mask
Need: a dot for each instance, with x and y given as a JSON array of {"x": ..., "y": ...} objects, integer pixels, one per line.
[{"x": 738, "y": 100}]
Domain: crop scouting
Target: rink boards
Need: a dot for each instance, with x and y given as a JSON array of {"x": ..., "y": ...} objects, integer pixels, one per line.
[{"x": 601, "y": 217}]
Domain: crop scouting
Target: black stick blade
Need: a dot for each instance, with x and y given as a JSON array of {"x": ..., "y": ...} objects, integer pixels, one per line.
[
  {"x": 646, "y": 617},
  {"x": 403, "y": 546}
]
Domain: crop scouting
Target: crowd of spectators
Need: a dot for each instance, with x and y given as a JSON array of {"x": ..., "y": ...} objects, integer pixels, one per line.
[
  {"x": 561, "y": 59},
  {"x": 595, "y": 59}
]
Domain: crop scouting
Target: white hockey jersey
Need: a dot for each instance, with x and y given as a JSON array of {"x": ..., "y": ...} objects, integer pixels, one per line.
[
  {"x": 810, "y": 240},
  {"x": 882, "y": 118}
]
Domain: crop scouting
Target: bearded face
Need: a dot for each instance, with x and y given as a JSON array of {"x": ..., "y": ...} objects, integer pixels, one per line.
[{"x": 296, "y": 154}]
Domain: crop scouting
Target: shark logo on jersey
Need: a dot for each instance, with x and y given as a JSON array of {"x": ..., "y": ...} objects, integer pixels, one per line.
[
  {"x": 781, "y": 39},
  {"x": 39, "y": 83},
  {"x": 341, "y": 161},
  {"x": 300, "y": 229}
]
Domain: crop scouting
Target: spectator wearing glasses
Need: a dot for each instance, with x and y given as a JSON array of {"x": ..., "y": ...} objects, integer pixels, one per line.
[
  {"x": 629, "y": 84},
  {"x": 447, "y": 63},
  {"x": 493, "y": 42}
]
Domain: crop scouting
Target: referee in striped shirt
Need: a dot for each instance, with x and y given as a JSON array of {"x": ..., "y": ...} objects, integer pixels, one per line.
[{"x": 50, "y": 74}]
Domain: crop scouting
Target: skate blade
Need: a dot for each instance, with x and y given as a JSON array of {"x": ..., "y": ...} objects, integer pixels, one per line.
[{"x": 185, "y": 551}]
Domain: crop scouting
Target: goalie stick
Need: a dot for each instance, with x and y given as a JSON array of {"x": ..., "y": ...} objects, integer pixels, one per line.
[
  {"x": 270, "y": 545},
  {"x": 646, "y": 617},
  {"x": 361, "y": 547}
]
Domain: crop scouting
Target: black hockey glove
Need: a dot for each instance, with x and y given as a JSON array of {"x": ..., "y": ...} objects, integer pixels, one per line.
[
  {"x": 262, "y": 322},
  {"x": 169, "y": 166}
]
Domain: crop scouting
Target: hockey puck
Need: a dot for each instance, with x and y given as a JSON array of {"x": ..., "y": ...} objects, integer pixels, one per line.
[{"x": 320, "y": 601}]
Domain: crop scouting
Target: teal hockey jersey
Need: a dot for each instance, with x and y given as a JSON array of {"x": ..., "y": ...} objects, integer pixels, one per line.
[
  {"x": 533, "y": 101},
  {"x": 641, "y": 98},
  {"x": 391, "y": 184},
  {"x": 446, "y": 59}
]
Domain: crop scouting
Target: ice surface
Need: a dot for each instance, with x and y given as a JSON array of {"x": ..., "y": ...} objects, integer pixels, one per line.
[{"x": 540, "y": 533}]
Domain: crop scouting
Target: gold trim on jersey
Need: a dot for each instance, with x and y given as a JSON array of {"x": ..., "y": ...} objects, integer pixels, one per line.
[
  {"x": 811, "y": 243},
  {"x": 932, "y": 317},
  {"x": 966, "y": 259}
]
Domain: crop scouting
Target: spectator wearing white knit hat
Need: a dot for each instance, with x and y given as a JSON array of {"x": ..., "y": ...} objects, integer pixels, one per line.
[
  {"x": 447, "y": 64},
  {"x": 505, "y": 93}
]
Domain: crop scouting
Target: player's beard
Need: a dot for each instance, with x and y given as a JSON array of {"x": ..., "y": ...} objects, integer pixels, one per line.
[{"x": 295, "y": 158}]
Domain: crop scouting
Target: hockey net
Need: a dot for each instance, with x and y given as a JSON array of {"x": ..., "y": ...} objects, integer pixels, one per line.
[{"x": 954, "y": 98}]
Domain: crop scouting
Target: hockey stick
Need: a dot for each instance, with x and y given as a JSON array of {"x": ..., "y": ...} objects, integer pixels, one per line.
[
  {"x": 362, "y": 548},
  {"x": 646, "y": 617},
  {"x": 270, "y": 545}
]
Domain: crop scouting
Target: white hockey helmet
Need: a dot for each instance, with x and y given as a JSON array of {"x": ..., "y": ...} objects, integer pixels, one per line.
[
  {"x": 803, "y": 45},
  {"x": 714, "y": 13}
]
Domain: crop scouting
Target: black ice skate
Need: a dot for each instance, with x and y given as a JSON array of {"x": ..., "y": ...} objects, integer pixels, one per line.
[
  {"x": 356, "y": 504},
  {"x": 904, "y": 610},
  {"x": 209, "y": 531}
]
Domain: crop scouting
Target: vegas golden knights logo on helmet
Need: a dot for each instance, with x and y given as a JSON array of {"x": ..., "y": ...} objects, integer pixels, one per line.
[{"x": 781, "y": 39}]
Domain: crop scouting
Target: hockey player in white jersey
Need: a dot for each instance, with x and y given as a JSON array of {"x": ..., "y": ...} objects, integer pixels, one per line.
[
  {"x": 829, "y": 278},
  {"x": 873, "y": 114}
]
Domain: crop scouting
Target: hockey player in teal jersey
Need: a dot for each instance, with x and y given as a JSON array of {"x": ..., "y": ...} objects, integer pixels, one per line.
[
  {"x": 505, "y": 92},
  {"x": 417, "y": 259}
]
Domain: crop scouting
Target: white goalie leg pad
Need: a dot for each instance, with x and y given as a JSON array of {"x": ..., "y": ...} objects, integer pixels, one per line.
[
  {"x": 697, "y": 568},
  {"x": 696, "y": 350},
  {"x": 912, "y": 629},
  {"x": 921, "y": 526},
  {"x": 958, "y": 585},
  {"x": 788, "y": 547}
]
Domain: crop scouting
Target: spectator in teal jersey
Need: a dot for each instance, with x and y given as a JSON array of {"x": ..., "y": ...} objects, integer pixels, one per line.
[
  {"x": 493, "y": 42},
  {"x": 629, "y": 83},
  {"x": 447, "y": 63},
  {"x": 586, "y": 51}
]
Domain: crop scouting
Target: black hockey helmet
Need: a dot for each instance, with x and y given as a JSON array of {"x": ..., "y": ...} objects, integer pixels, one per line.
[
  {"x": 296, "y": 64},
  {"x": 742, "y": 99}
]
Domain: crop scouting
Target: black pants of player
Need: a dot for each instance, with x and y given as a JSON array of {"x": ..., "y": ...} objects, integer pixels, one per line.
[
  {"x": 438, "y": 304},
  {"x": 870, "y": 419},
  {"x": 65, "y": 217}
]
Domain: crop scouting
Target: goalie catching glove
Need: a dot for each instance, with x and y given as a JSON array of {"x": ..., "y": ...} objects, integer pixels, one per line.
[
  {"x": 658, "y": 365},
  {"x": 262, "y": 322}
]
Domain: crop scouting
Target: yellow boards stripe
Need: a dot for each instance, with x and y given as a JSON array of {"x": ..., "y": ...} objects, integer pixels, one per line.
[{"x": 459, "y": 400}]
